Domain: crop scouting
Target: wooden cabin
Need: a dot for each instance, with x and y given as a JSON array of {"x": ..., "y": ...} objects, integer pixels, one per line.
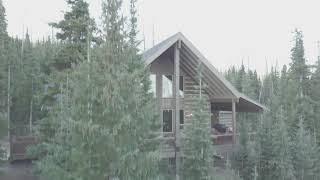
[
  {"x": 173, "y": 65},
  {"x": 176, "y": 58}
]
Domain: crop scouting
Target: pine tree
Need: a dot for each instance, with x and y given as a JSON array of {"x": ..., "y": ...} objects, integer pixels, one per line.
[
  {"x": 299, "y": 70},
  {"x": 105, "y": 125},
  {"x": 305, "y": 155},
  {"x": 3, "y": 21},
  {"x": 74, "y": 34},
  {"x": 299, "y": 83},
  {"x": 197, "y": 143},
  {"x": 281, "y": 144},
  {"x": 315, "y": 96},
  {"x": 264, "y": 147},
  {"x": 244, "y": 161},
  {"x": 3, "y": 67}
]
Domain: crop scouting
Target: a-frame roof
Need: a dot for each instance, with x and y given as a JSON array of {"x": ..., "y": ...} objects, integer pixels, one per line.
[{"x": 222, "y": 90}]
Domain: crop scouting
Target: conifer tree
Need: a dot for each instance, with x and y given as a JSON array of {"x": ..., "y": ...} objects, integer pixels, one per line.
[
  {"x": 3, "y": 21},
  {"x": 281, "y": 144},
  {"x": 264, "y": 147},
  {"x": 197, "y": 143},
  {"x": 305, "y": 155},
  {"x": 3, "y": 63},
  {"x": 244, "y": 161},
  {"x": 73, "y": 32},
  {"x": 299, "y": 84},
  {"x": 105, "y": 125},
  {"x": 315, "y": 96}
]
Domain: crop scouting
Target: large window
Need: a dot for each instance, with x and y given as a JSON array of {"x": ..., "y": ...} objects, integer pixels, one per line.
[
  {"x": 167, "y": 86},
  {"x": 181, "y": 93},
  {"x": 153, "y": 87},
  {"x": 167, "y": 121}
]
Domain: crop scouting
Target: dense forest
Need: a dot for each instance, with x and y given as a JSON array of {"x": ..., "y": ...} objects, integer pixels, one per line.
[{"x": 86, "y": 94}]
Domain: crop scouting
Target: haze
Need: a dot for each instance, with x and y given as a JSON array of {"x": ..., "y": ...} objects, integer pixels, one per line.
[{"x": 227, "y": 32}]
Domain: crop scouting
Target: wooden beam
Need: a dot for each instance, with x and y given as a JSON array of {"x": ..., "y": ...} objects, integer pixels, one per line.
[
  {"x": 226, "y": 99},
  {"x": 190, "y": 52},
  {"x": 177, "y": 106},
  {"x": 194, "y": 62},
  {"x": 193, "y": 74},
  {"x": 207, "y": 79}
]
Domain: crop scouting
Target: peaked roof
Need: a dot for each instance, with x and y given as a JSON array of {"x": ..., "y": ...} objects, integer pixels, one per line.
[{"x": 153, "y": 53}]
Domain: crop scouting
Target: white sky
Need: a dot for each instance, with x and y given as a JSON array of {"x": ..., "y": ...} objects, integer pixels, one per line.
[{"x": 227, "y": 32}]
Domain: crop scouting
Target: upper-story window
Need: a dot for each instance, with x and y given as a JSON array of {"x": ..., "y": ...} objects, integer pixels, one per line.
[
  {"x": 167, "y": 86},
  {"x": 153, "y": 86},
  {"x": 181, "y": 87}
]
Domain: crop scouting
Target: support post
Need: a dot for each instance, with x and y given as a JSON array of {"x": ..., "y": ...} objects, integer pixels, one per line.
[
  {"x": 177, "y": 106},
  {"x": 234, "y": 122}
]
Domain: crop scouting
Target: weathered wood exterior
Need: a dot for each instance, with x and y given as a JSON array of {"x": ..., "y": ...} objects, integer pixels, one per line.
[{"x": 176, "y": 56}]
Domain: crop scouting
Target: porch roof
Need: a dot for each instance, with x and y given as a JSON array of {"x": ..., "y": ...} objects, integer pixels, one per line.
[{"x": 219, "y": 89}]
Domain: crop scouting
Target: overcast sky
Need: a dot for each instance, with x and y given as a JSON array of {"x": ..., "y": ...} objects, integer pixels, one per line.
[{"x": 227, "y": 32}]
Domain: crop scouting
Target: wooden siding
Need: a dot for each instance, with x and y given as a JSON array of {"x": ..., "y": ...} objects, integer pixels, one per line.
[
  {"x": 164, "y": 66},
  {"x": 225, "y": 117}
]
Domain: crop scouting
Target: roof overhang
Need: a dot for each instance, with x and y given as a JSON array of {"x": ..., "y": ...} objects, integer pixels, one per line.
[{"x": 219, "y": 89}]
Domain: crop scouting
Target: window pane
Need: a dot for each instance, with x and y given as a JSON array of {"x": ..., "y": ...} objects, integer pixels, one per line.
[
  {"x": 181, "y": 86},
  {"x": 167, "y": 121},
  {"x": 167, "y": 86},
  {"x": 181, "y": 117},
  {"x": 153, "y": 79}
]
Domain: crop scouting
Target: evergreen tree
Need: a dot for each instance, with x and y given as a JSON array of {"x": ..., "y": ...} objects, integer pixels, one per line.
[
  {"x": 197, "y": 143},
  {"x": 76, "y": 29},
  {"x": 264, "y": 147},
  {"x": 299, "y": 70},
  {"x": 281, "y": 144},
  {"x": 299, "y": 83},
  {"x": 305, "y": 155},
  {"x": 315, "y": 96},
  {"x": 244, "y": 161},
  {"x": 105, "y": 125},
  {"x": 3, "y": 67},
  {"x": 3, "y": 21}
]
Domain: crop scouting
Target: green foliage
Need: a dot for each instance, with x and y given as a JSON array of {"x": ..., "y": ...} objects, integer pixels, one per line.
[
  {"x": 104, "y": 125},
  {"x": 305, "y": 155},
  {"x": 3, "y": 21},
  {"x": 243, "y": 160},
  {"x": 197, "y": 145},
  {"x": 76, "y": 30}
]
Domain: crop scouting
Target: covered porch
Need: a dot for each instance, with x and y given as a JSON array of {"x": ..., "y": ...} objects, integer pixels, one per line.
[{"x": 224, "y": 118}]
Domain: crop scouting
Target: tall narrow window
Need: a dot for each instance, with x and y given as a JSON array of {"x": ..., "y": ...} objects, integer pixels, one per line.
[
  {"x": 153, "y": 86},
  {"x": 181, "y": 93},
  {"x": 181, "y": 119},
  {"x": 167, "y": 121},
  {"x": 167, "y": 86}
]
